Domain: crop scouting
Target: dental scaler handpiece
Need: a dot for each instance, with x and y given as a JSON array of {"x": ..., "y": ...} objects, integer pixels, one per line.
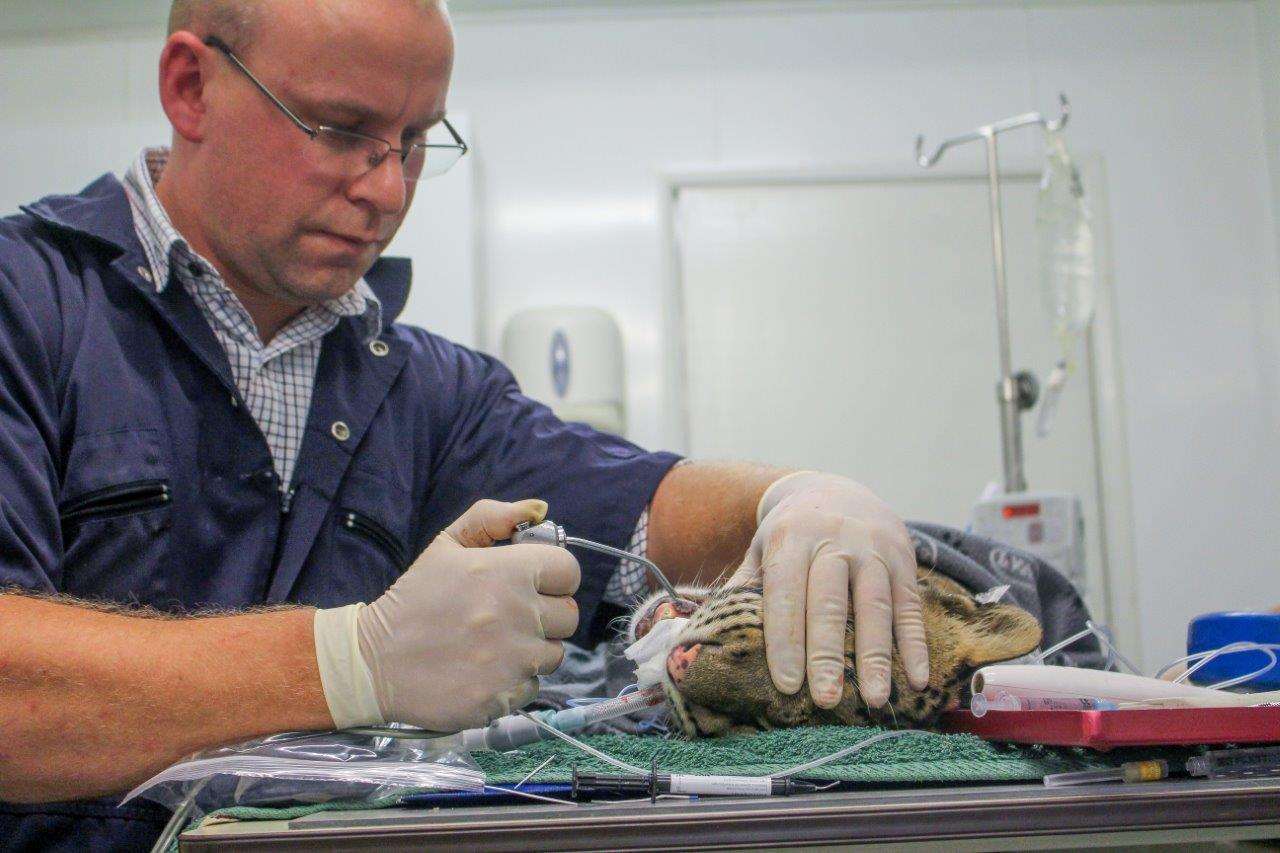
[{"x": 550, "y": 533}]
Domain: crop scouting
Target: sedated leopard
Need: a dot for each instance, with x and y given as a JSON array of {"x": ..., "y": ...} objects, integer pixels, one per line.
[{"x": 718, "y": 683}]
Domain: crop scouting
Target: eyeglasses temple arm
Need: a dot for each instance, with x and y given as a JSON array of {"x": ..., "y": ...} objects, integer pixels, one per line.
[{"x": 219, "y": 45}]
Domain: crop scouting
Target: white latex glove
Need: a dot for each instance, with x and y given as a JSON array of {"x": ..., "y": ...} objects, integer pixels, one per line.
[
  {"x": 820, "y": 538},
  {"x": 460, "y": 638}
]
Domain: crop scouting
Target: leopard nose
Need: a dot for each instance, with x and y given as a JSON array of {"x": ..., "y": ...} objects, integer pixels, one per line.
[{"x": 680, "y": 659}]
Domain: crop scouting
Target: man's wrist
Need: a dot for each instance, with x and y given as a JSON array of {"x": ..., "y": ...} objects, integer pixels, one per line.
[
  {"x": 771, "y": 495},
  {"x": 344, "y": 675}
]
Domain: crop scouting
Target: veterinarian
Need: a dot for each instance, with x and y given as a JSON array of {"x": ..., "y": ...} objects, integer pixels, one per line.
[{"x": 215, "y": 442}]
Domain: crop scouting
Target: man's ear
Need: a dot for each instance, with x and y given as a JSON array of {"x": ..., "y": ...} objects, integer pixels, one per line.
[
  {"x": 184, "y": 64},
  {"x": 999, "y": 632}
]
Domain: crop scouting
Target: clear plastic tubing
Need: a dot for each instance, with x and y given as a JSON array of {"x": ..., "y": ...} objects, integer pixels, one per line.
[
  {"x": 980, "y": 704},
  {"x": 598, "y": 712},
  {"x": 514, "y": 731}
]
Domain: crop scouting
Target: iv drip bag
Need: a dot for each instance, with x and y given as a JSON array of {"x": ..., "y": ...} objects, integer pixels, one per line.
[
  {"x": 1064, "y": 237},
  {"x": 1067, "y": 264}
]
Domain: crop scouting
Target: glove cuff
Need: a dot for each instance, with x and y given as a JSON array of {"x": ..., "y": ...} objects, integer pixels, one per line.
[
  {"x": 770, "y": 497},
  {"x": 347, "y": 682}
]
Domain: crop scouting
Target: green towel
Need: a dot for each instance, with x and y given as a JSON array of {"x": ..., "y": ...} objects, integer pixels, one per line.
[
  {"x": 919, "y": 758},
  {"x": 922, "y": 758}
]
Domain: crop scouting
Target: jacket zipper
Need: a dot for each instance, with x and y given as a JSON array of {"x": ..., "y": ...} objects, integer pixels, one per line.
[
  {"x": 117, "y": 500},
  {"x": 375, "y": 532}
]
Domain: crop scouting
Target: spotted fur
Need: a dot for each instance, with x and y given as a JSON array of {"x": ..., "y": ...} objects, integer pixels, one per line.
[{"x": 727, "y": 688}]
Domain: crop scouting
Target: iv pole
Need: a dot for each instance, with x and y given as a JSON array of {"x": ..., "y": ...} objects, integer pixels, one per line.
[{"x": 1015, "y": 392}]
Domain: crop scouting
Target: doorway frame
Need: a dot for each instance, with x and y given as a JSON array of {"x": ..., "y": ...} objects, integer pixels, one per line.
[{"x": 1102, "y": 345}]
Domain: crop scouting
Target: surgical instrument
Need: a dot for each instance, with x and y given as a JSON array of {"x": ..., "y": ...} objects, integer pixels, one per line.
[
  {"x": 1236, "y": 763},
  {"x": 1131, "y": 771},
  {"x": 588, "y": 785},
  {"x": 550, "y": 533},
  {"x": 515, "y": 729}
]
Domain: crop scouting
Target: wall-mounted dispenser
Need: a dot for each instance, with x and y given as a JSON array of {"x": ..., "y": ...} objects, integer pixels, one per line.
[{"x": 571, "y": 359}]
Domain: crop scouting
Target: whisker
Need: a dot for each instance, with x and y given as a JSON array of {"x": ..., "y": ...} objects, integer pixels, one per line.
[{"x": 893, "y": 714}]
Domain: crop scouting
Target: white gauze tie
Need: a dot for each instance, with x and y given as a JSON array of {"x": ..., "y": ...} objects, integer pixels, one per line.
[{"x": 650, "y": 651}]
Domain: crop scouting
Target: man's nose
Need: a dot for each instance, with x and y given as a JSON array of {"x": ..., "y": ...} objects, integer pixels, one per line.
[{"x": 383, "y": 186}]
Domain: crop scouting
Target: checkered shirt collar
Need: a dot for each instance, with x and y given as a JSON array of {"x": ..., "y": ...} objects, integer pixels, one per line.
[{"x": 164, "y": 246}]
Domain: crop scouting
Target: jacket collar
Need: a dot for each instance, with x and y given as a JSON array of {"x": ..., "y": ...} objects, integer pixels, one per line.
[{"x": 100, "y": 212}]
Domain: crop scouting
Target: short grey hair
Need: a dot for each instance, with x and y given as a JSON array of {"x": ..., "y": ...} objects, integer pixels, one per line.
[{"x": 234, "y": 20}]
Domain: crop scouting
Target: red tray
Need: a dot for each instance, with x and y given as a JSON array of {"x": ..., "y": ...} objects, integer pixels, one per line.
[{"x": 1105, "y": 730}]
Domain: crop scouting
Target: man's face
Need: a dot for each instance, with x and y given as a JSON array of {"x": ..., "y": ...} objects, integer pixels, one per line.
[{"x": 279, "y": 216}]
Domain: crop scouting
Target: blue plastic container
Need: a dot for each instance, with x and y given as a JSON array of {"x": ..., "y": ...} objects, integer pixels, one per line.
[{"x": 1215, "y": 630}]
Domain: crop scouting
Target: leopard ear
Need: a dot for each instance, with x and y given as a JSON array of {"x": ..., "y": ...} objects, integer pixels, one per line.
[{"x": 998, "y": 632}]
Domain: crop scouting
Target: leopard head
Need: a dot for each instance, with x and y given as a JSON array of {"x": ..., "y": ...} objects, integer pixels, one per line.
[{"x": 718, "y": 683}]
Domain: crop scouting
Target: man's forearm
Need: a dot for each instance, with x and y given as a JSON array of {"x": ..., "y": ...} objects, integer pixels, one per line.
[
  {"x": 703, "y": 516},
  {"x": 94, "y": 702}
]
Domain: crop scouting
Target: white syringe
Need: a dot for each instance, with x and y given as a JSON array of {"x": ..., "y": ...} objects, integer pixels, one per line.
[{"x": 980, "y": 704}]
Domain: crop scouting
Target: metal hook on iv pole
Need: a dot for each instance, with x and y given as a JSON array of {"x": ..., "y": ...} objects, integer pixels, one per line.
[
  {"x": 996, "y": 128},
  {"x": 550, "y": 533},
  {"x": 1015, "y": 392}
]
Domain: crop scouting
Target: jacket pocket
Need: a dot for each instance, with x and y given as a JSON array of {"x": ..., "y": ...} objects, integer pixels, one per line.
[
  {"x": 116, "y": 512},
  {"x": 113, "y": 501},
  {"x": 361, "y": 525}
]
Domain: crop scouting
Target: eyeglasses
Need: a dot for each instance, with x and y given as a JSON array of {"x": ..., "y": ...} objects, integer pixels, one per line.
[{"x": 353, "y": 154}]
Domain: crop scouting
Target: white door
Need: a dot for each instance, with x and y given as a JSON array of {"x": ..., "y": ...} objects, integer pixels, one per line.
[{"x": 849, "y": 327}]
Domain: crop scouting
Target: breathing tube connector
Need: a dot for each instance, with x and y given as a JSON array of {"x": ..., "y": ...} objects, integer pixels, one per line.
[
  {"x": 516, "y": 730},
  {"x": 586, "y": 786}
]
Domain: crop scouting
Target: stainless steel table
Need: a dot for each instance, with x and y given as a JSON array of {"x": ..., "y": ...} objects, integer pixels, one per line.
[{"x": 953, "y": 818}]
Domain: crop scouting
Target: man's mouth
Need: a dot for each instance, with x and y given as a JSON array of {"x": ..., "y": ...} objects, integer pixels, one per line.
[{"x": 348, "y": 242}]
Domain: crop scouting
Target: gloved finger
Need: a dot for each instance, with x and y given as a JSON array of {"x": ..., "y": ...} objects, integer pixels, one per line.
[
  {"x": 558, "y": 615},
  {"x": 908, "y": 620},
  {"x": 556, "y": 571},
  {"x": 516, "y": 698},
  {"x": 547, "y": 658},
  {"x": 748, "y": 571},
  {"x": 825, "y": 619},
  {"x": 490, "y": 521},
  {"x": 873, "y": 626},
  {"x": 785, "y": 569}
]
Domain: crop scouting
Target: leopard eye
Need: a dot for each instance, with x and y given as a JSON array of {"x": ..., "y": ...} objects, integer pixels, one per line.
[{"x": 739, "y": 654}]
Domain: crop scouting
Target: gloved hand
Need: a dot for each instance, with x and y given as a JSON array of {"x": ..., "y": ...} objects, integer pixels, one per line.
[
  {"x": 460, "y": 637},
  {"x": 820, "y": 537}
]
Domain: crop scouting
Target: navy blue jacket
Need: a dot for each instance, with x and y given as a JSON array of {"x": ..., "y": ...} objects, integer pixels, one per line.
[{"x": 131, "y": 471}]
